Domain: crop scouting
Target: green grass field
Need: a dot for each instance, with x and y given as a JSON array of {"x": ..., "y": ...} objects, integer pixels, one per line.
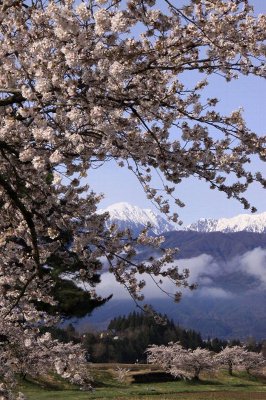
[{"x": 216, "y": 387}]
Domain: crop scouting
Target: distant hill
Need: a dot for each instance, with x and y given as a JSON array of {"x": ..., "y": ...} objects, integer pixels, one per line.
[
  {"x": 238, "y": 317},
  {"x": 128, "y": 338},
  {"x": 221, "y": 246}
]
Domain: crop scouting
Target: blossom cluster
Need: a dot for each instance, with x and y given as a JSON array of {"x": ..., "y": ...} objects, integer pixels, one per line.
[{"x": 188, "y": 364}]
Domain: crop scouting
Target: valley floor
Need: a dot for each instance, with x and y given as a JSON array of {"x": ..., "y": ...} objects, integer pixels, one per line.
[{"x": 219, "y": 386}]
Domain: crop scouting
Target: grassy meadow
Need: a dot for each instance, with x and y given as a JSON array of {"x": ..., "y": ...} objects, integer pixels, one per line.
[{"x": 219, "y": 386}]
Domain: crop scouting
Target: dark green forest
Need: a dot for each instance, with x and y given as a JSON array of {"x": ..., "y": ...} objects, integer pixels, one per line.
[{"x": 127, "y": 338}]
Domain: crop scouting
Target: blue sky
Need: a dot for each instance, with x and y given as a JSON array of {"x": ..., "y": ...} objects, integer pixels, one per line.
[{"x": 119, "y": 184}]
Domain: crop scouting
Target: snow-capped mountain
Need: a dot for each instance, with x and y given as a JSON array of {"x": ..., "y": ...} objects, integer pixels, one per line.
[
  {"x": 126, "y": 215},
  {"x": 242, "y": 222}
]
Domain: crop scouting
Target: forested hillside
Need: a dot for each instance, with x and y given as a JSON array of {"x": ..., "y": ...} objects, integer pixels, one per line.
[{"x": 127, "y": 338}]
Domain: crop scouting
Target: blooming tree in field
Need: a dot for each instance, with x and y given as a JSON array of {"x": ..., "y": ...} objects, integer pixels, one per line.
[
  {"x": 240, "y": 358},
  {"x": 193, "y": 363},
  {"x": 190, "y": 363},
  {"x": 163, "y": 355},
  {"x": 180, "y": 362},
  {"x": 231, "y": 357},
  {"x": 252, "y": 361},
  {"x": 83, "y": 83}
]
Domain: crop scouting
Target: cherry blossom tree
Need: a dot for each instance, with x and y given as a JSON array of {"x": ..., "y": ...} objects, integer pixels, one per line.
[
  {"x": 190, "y": 363},
  {"x": 163, "y": 355},
  {"x": 231, "y": 357},
  {"x": 180, "y": 362},
  {"x": 252, "y": 361},
  {"x": 85, "y": 83},
  {"x": 194, "y": 362},
  {"x": 238, "y": 357}
]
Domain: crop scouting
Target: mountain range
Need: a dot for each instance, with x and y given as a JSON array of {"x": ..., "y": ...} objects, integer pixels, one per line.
[
  {"x": 126, "y": 215},
  {"x": 240, "y": 223},
  {"x": 226, "y": 258}
]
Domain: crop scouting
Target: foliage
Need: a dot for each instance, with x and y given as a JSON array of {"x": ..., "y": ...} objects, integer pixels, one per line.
[
  {"x": 239, "y": 357},
  {"x": 230, "y": 357},
  {"x": 181, "y": 362},
  {"x": 127, "y": 338},
  {"x": 252, "y": 360},
  {"x": 190, "y": 363},
  {"x": 67, "y": 107},
  {"x": 121, "y": 374},
  {"x": 193, "y": 363}
]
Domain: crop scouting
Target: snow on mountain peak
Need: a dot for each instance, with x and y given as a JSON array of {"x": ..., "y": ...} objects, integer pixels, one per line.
[
  {"x": 242, "y": 222},
  {"x": 126, "y": 215}
]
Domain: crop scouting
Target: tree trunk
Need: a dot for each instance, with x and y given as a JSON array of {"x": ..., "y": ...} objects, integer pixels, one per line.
[
  {"x": 196, "y": 374},
  {"x": 230, "y": 368}
]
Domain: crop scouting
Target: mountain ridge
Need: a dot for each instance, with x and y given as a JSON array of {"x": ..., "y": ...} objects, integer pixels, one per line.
[
  {"x": 239, "y": 223},
  {"x": 136, "y": 219}
]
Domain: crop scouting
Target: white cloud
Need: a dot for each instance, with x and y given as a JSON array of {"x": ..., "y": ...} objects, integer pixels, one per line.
[
  {"x": 215, "y": 292},
  {"x": 205, "y": 281},
  {"x": 201, "y": 268},
  {"x": 109, "y": 285},
  {"x": 254, "y": 263},
  {"x": 203, "y": 271}
]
